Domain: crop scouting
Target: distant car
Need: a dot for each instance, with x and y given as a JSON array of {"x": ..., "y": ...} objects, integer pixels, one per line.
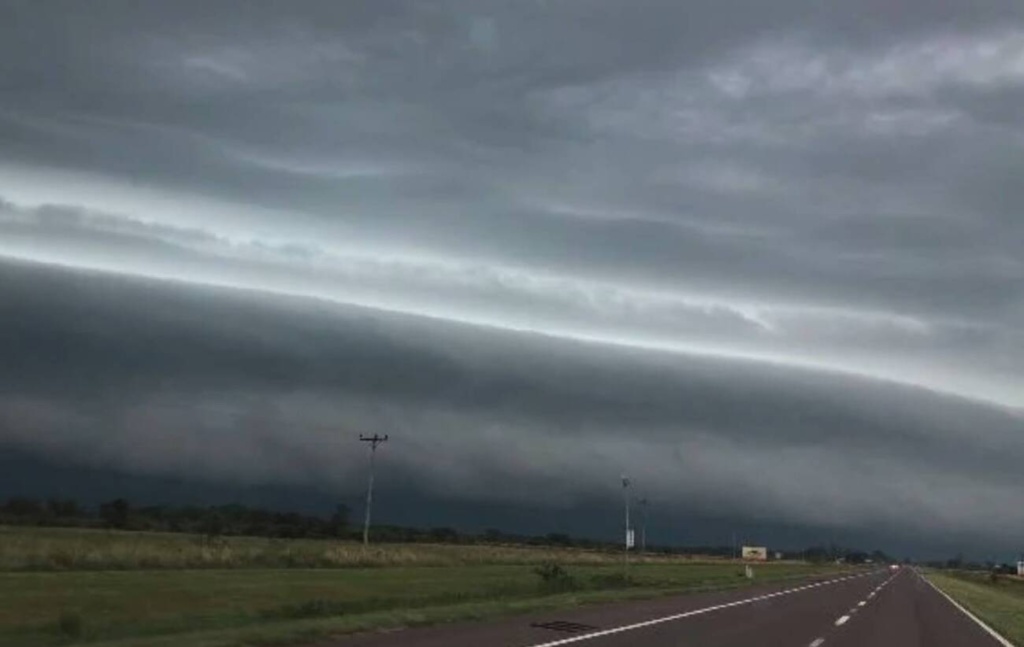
[{"x": 894, "y": 567}]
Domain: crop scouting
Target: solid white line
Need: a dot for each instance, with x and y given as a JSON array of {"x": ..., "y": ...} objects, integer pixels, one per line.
[
  {"x": 817, "y": 642},
  {"x": 689, "y": 614},
  {"x": 992, "y": 632},
  {"x": 842, "y": 621}
]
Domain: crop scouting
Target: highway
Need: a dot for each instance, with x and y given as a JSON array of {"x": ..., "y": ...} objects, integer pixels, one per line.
[{"x": 876, "y": 609}]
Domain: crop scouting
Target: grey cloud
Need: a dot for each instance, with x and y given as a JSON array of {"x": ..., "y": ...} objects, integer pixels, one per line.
[
  {"x": 256, "y": 390},
  {"x": 773, "y": 207},
  {"x": 520, "y": 298}
]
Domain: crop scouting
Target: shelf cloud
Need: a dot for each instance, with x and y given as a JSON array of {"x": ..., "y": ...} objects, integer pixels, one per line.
[{"x": 766, "y": 254}]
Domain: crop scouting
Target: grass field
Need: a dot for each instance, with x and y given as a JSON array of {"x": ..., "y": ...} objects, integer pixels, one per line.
[
  {"x": 136, "y": 596},
  {"x": 26, "y": 548},
  {"x": 999, "y": 603}
]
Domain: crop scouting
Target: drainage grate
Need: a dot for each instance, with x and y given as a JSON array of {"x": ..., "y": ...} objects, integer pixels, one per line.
[{"x": 562, "y": 625}]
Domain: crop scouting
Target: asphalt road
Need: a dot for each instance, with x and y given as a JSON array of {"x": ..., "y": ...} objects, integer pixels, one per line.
[{"x": 876, "y": 609}]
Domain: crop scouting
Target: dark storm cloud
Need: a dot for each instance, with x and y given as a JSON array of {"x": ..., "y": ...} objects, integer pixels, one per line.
[
  {"x": 218, "y": 385},
  {"x": 654, "y": 226}
]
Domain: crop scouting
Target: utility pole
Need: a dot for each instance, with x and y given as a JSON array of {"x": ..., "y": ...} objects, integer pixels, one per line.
[
  {"x": 643, "y": 525},
  {"x": 625, "y": 492},
  {"x": 374, "y": 440}
]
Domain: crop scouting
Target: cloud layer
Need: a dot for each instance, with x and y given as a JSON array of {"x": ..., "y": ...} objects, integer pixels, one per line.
[{"x": 738, "y": 247}]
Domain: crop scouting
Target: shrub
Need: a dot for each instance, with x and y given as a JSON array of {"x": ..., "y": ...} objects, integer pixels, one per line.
[
  {"x": 70, "y": 625},
  {"x": 553, "y": 576}
]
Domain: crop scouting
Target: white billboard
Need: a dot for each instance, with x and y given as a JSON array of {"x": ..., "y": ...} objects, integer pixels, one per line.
[{"x": 755, "y": 553}]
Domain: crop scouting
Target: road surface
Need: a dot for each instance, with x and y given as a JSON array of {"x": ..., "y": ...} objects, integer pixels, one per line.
[{"x": 876, "y": 609}]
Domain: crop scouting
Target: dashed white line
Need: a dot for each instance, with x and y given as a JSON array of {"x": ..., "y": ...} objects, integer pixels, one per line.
[
  {"x": 844, "y": 619},
  {"x": 695, "y": 612},
  {"x": 817, "y": 642}
]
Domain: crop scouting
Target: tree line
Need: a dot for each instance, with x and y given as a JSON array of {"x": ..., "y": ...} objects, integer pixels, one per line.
[
  {"x": 239, "y": 520},
  {"x": 120, "y": 514},
  {"x": 959, "y": 563}
]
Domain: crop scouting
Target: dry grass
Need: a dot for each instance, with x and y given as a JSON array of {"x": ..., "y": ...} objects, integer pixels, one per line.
[{"x": 78, "y": 549}]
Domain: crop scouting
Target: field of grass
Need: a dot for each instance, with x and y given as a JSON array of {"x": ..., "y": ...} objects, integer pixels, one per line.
[
  {"x": 135, "y": 596},
  {"x": 27, "y": 548},
  {"x": 999, "y": 603}
]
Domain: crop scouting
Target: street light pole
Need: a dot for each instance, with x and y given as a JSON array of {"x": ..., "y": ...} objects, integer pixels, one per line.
[
  {"x": 643, "y": 525},
  {"x": 374, "y": 440},
  {"x": 625, "y": 491}
]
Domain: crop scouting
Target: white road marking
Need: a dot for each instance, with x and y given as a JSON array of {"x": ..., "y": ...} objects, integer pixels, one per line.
[
  {"x": 817, "y": 642},
  {"x": 992, "y": 632},
  {"x": 690, "y": 614},
  {"x": 842, "y": 621},
  {"x": 871, "y": 595},
  {"x": 861, "y": 603}
]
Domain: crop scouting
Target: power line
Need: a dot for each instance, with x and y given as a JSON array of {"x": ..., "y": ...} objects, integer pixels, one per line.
[{"x": 374, "y": 441}]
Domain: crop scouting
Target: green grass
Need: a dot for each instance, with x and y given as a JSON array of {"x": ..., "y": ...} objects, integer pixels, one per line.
[
  {"x": 999, "y": 603},
  {"x": 305, "y": 631},
  {"x": 135, "y": 604},
  {"x": 43, "y": 602},
  {"x": 23, "y": 548}
]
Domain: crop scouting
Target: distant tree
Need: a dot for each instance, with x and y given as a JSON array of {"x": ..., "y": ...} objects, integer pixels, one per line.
[
  {"x": 816, "y": 554},
  {"x": 212, "y": 526},
  {"x": 880, "y": 556},
  {"x": 23, "y": 507},
  {"x": 114, "y": 514},
  {"x": 444, "y": 534},
  {"x": 338, "y": 524},
  {"x": 63, "y": 509},
  {"x": 493, "y": 535}
]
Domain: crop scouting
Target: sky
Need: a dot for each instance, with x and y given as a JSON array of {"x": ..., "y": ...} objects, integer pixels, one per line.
[{"x": 763, "y": 257}]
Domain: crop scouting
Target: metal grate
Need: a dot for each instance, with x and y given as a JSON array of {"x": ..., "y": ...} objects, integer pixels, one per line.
[{"x": 563, "y": 626}]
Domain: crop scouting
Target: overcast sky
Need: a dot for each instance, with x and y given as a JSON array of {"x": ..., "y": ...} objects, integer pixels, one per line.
[{"x": 765, "y": 257}]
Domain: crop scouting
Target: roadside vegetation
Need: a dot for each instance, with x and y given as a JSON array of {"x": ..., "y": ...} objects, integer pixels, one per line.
[
  {"x": 56, "y": 549},
  {"x": 216, "y": 526},
  {"x": 62, "y": 586},
  {"x": 997, "y": 599}
]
